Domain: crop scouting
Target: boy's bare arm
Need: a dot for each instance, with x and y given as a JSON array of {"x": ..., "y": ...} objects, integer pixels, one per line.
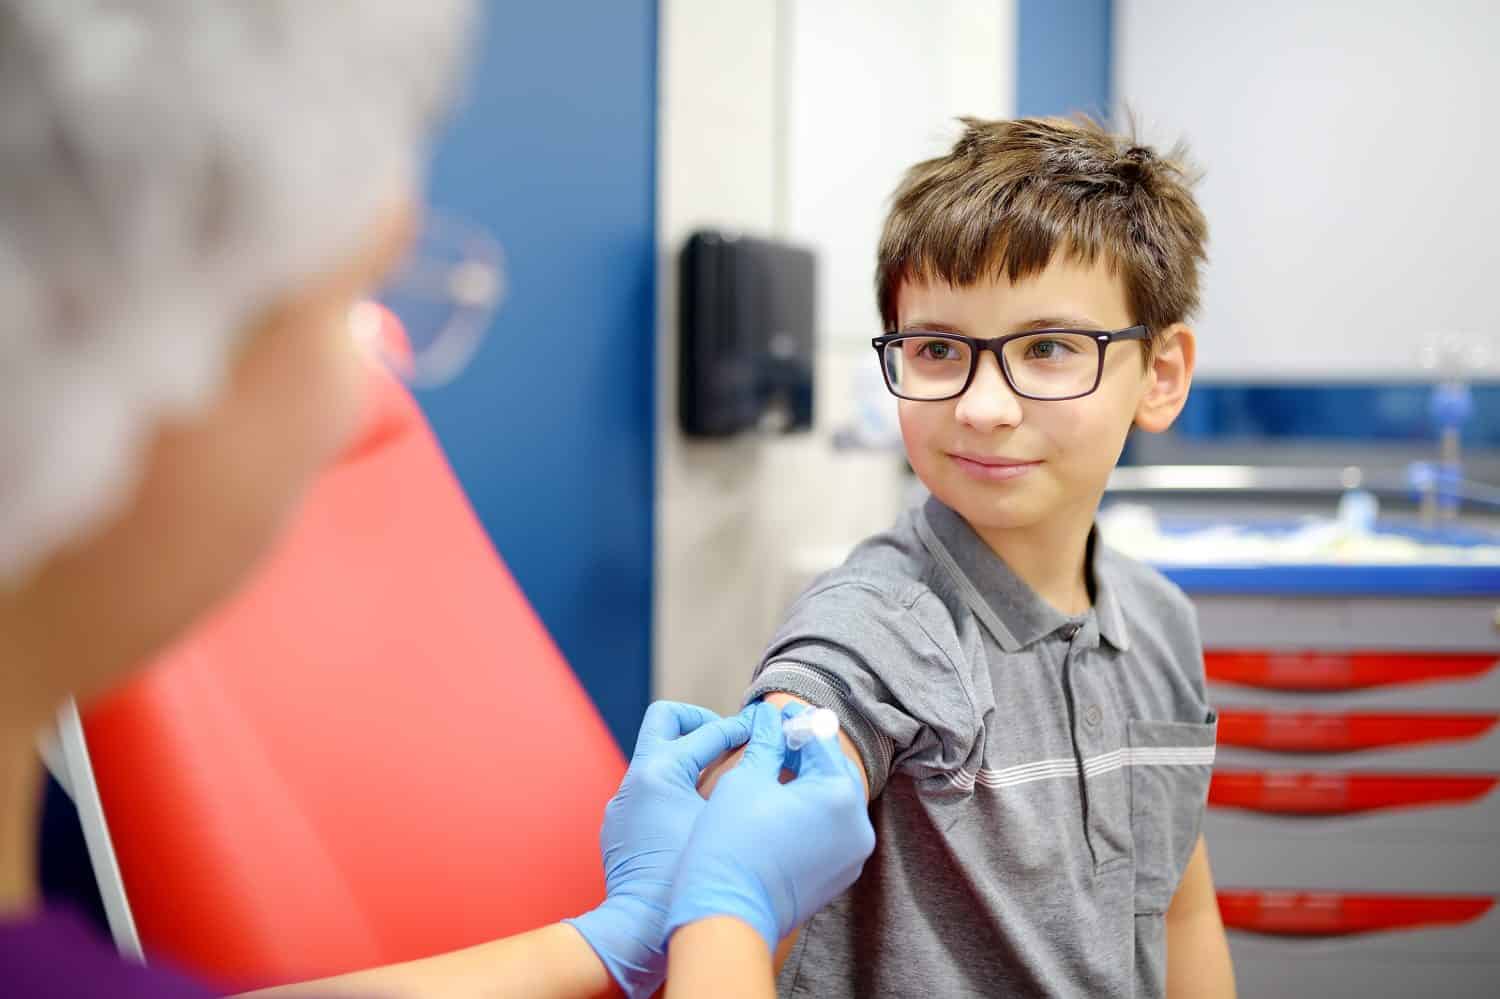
[
  {"x": 1198, "y": 965},
  {"x": 727, "y": 762}
]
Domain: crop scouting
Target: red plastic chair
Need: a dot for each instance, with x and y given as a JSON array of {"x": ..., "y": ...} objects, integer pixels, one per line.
[{"x": 373, "y": 754}]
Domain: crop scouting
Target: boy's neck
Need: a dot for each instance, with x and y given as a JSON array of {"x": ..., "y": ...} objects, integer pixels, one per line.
[{"x": 1048, "y": 557}]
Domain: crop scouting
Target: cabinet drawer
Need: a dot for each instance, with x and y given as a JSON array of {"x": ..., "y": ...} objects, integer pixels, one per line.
[
  {"x": 1478, "y": 692},
  {"x": 1324, "y": 671},
  {"x": 1257, "y": 736},
  {"x": 1322, "y": 803}
]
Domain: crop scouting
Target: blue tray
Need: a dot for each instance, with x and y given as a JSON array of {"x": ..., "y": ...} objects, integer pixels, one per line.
[
  {"x": 1334, "y": 579},
  {"x": 1338, "y": 580}
]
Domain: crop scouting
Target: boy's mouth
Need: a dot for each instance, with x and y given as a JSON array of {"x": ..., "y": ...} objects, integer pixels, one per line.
[{"x": 991, "y": 469}]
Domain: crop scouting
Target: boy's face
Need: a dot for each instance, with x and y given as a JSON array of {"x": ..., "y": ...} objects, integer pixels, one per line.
[{"x": 1003, "y": 462}]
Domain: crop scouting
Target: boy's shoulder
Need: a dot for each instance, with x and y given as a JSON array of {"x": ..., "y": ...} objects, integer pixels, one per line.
[
  {"x": 1144, "y": 592},
  {"x": 890, "y": 578},
  {"x": 893, "y": 566},
  {"x": 1161, "y": 621},
  {"x": 894, "y": 574}
]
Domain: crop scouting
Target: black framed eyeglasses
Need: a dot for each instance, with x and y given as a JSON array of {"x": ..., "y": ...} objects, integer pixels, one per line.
[{"x": 1046, "y": 365}]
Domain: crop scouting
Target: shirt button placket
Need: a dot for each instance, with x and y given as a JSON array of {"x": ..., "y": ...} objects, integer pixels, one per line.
[{"x": 1107, "y": 825}]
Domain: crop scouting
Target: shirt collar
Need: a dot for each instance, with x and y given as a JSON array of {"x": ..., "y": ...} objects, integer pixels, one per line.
[
  {"x": 1102, "y": 562},
  {"x": 1011, "y": 609}
]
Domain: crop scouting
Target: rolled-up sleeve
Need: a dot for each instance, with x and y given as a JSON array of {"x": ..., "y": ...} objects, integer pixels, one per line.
[{"x": 885, "y": 660}]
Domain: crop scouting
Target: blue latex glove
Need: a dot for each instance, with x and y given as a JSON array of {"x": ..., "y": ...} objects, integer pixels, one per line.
[
  {"x": 646, "y": 825},
  {"x": 773, "y": 854}
]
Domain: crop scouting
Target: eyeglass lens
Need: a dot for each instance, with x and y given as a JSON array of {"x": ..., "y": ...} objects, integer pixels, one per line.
[{"x": 445, "y": 294}]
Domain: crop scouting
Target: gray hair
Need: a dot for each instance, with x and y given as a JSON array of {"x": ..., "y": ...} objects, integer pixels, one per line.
[{"x": 166, "y": 168}]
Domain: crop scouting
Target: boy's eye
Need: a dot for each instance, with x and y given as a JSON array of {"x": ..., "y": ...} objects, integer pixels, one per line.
[
  {"x": 937, "y": 350},
  {"x": 1048, "y": 349}
]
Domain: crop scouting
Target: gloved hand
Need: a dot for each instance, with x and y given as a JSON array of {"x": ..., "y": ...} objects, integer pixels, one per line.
[
  {"x": 646, "y": 825},
  {"x": 769, "y": 853}
]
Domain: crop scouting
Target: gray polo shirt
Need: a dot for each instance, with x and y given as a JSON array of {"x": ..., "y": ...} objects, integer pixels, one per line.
[{"x": 1037, "y": 780}]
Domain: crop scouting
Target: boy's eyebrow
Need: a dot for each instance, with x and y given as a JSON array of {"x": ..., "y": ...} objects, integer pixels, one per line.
[
  {"x": 928, "y": 326},
  {"x": 1077, "y": 321},
  {"x": 1061, "y": 322}
]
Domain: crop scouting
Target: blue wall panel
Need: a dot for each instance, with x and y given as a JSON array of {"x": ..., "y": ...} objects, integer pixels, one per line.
[
  {"x": 1064, "y": 57},
  {"x": 1360, "y": 411},
  {"x": 555, "y": 153}
]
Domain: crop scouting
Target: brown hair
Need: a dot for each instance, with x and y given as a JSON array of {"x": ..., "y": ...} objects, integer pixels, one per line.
[{"x": 1010, "y": 194}]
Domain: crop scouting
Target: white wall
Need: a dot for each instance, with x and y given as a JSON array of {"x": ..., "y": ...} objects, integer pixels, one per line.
[
  {"x": 794, "y": 119},
  {"x": 1350, "y": 151},
  {"x": 876, "y": 86}
]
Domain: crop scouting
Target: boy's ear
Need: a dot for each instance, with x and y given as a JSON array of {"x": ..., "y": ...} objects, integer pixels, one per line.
[{"x": 1168, "y": 376}]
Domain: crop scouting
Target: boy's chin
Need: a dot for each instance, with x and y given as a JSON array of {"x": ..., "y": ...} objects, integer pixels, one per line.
[
  {"x": 983, "y": 510},
  {"x": 985, "y": 520}
]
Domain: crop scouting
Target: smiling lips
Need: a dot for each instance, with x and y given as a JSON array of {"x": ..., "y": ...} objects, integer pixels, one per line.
[{"x": 992, "y": 469}]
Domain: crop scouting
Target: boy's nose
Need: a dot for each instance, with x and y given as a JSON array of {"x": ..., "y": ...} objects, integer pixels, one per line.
[{"x": 988, "y": 403}]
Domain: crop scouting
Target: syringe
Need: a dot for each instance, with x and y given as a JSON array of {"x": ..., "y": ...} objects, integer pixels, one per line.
[{"x": 818, "y": 723}]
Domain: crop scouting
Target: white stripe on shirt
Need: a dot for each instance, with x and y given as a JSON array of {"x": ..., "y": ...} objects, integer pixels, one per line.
[{"x": 1094, "y": 766}]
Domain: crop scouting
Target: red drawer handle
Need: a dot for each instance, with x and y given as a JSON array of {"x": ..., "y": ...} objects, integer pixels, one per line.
[
  {"x": 1330, "y": 914},
  {"x": 1340, "y": 670},
  {"x": 1324, "y": 732},
  {"x": 1332, "y": 793}
]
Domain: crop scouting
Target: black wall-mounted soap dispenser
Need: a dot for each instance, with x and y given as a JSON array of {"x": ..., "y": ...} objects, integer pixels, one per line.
[{"x": 747, "y": 346}]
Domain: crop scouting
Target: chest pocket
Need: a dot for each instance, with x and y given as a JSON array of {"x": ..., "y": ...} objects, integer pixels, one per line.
[{"x": 1170, "y": 764}]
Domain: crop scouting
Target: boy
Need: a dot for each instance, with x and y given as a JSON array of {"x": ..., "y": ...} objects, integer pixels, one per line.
[{"x": 1028, "y": 706}]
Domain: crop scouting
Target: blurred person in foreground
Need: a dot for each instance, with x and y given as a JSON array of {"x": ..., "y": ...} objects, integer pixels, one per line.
[{"x": 193, "y": 196}]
